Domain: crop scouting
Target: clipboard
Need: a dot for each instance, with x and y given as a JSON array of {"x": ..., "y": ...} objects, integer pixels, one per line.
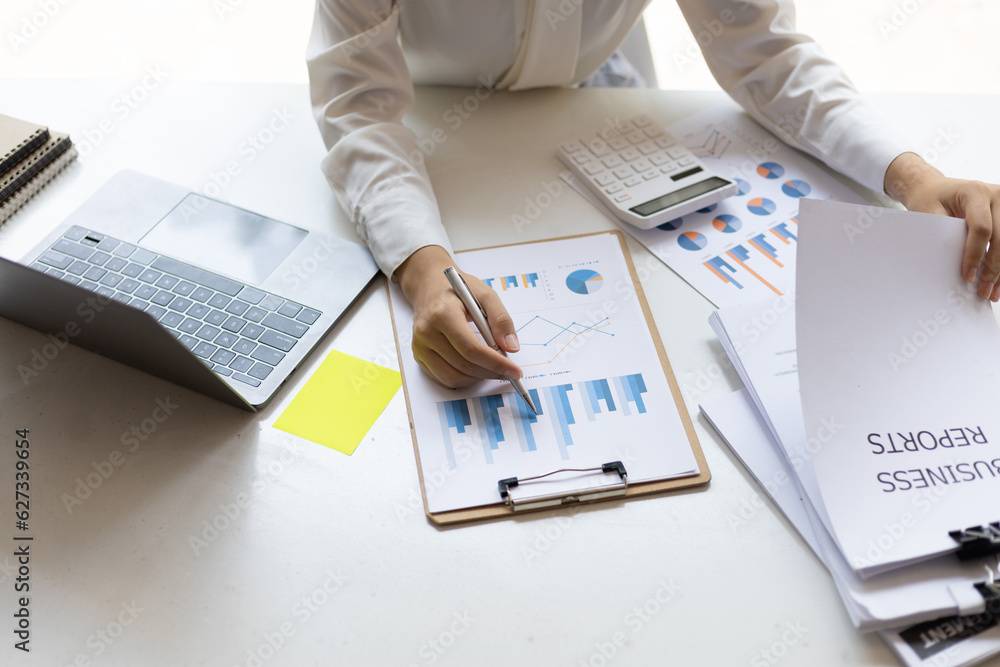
[{"x": 615, "y": 476}]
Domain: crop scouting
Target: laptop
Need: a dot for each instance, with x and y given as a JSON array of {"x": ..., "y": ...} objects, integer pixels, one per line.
[{"x": 194, "y": 290}]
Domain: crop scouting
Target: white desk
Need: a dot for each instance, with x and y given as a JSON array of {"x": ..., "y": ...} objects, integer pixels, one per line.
[{"x": 331, "y": 559}]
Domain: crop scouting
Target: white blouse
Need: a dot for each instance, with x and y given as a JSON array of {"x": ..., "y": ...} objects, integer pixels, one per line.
[{"x": 365, "y": 56}]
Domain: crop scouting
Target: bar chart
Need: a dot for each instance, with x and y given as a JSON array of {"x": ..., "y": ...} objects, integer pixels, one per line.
[{"x": 504, "y": 420}]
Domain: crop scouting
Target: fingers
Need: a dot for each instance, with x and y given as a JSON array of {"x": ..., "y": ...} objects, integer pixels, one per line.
[
  {"x": 501, "y": 324},
  {"x": 989, "y": 279},
  {"x": 980, "y": 204},
  {"x": 447, "y": 348},
  {"x": 979, "y": 220}
]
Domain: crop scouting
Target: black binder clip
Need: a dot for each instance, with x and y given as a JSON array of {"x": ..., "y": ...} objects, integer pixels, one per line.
[
  {"x": 576, "y": 496},
  {"x": 977, "y": 541}
]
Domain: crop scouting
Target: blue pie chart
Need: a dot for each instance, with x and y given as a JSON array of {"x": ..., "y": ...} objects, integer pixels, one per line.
[
  {"x": 671, "y": 225},
  {"x": 584, "y": 281},
  {"x": 761, "y": 206},
  {"x": 692, "y": 241},
  {"x": 708, "y": 209},
  {"x": 770, "y": 170},
  {"x": 742, "y": 187},
  {"x": 727, "y": 224},
  {"x": 795, "y": 188}
]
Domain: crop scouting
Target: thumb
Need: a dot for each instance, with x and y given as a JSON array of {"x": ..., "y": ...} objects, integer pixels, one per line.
[{"x": 501, "y": 324}]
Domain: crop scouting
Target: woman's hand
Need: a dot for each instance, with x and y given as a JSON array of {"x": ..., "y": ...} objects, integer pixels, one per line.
[
  {"x": 443, "y": 343},
  {"x": 920, "y": 187}
]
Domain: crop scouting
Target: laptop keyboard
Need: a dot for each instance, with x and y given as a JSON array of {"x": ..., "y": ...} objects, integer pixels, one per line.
[{"x": 239, "y": 331}]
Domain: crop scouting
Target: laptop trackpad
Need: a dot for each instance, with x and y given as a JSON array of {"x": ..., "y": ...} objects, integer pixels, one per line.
[{"x": 223, "y": 238}]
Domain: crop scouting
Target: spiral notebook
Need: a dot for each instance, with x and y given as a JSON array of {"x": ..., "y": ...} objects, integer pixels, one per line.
[{"x": 30, "y": 157}]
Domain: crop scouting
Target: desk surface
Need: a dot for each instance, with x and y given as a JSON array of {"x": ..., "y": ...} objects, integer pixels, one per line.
[{"x": 219, "y": 540}]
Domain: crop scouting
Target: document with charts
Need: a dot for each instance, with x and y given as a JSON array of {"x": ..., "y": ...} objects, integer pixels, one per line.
[
  {"x": 593, "y": 366},
  {"x": 742, "y": 249}
]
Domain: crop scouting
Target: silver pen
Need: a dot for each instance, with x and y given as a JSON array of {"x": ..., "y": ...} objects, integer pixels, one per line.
[{"x": 478, "y": 315}]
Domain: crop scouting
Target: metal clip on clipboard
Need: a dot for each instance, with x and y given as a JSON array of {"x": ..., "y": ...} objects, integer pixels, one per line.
[
  {"x": 977, "y": 541},
  {"x": 574, "y": 496}
]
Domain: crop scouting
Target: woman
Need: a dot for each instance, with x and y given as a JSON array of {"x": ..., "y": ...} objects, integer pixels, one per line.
[{"x": 365, "y": 56}]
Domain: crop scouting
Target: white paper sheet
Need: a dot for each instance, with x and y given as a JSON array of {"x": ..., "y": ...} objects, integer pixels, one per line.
[
  {"x": 897, "y": 351},
  {"x": 742, "y": 249},
  {"x": 919, "y": 593},
  {"x": 588, "y": 358}
]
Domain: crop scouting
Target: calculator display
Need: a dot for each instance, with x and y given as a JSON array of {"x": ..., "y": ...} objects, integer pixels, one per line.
[{"x": 679, "y": 196}]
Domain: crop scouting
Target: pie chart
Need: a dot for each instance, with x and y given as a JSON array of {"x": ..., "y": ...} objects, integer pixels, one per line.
[
  {"x": 708, "y": 209},
  {"x": 584, "y": 281},
  {"x": 742, "y": 187},
  {"x": 692, "y": 241},
  {"x": 770, "y": 170},
  {"x": 727, "y": 224},
  {"x": 671, "y": 225},
  {"x": 796, "y": 188},
  {"x": 761, "y": 206}
]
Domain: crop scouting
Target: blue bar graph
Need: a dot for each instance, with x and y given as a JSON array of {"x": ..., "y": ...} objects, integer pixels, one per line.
[
  {"x": 784, "y": 233},
  {"x": 760, "y": 242},
  {"x": 517, "y": 280},
  {"x": 558, "y": 405},
  {"x": 454, "y": 415},
  {"x": 716, "y": 266}
]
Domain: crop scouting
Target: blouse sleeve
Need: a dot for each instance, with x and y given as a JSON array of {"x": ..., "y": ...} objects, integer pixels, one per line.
[
  {"x": 785, "y": 82},
  {"x": 360, "y": 89}
]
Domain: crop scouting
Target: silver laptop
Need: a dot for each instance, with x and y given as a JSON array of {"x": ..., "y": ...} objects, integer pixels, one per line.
[{"x": 205, "y": 294}]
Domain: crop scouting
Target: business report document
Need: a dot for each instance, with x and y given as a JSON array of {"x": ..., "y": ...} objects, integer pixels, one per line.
[{"x": 590, "y": 363}]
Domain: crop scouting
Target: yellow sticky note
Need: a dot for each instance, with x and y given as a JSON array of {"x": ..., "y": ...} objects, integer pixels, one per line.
[{"x": 340, "y": 402}]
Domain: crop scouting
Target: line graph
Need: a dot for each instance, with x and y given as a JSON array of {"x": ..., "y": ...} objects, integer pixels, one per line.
[{"x": 548, "y": 340}]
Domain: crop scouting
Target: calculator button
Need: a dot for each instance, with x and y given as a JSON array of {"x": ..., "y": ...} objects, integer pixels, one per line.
[
  {"x": 642, "y": 121},
  {"x": 622, "y": 172},
  {"x": 647, "y": 147},
  {"x": 604, "y": 179},
  {"x": 598, "y": 146},
  {"x": 623, "y": 197},
  {"x": 572, "y": 147},
  {"x": 593, "y": 168},
  {"x": 642, "y": 164},
  {"x": 653, "y": 132},
  {"x": 618, "y": 143},
  {"x": 630, "y": 154},
  {"x": 659, "y": 159},
  {"x": 649, "y": 175},
  {"x": 624, "y": 126},
  {"x": 676, "y": 152},
  {"x": 635, "y": 137},
  {"x": 632, "y": 181},
  {"x": 612, "y": 161},
  {"x": 613, "y": 188},
  {"x": 685, "y": 161},
  {"x": 663, "y": 142},
  {"x": 581, "y": 158}
]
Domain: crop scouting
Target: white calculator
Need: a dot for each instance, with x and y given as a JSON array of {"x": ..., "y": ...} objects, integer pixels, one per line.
[{"x": 642, "y": 173}]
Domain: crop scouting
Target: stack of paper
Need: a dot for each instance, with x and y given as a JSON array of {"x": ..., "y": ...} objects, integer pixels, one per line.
[{"x": 893, "y": 442}]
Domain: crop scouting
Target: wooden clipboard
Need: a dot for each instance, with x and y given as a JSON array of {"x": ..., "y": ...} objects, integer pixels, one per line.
[{"x": 502, "y": 510}]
